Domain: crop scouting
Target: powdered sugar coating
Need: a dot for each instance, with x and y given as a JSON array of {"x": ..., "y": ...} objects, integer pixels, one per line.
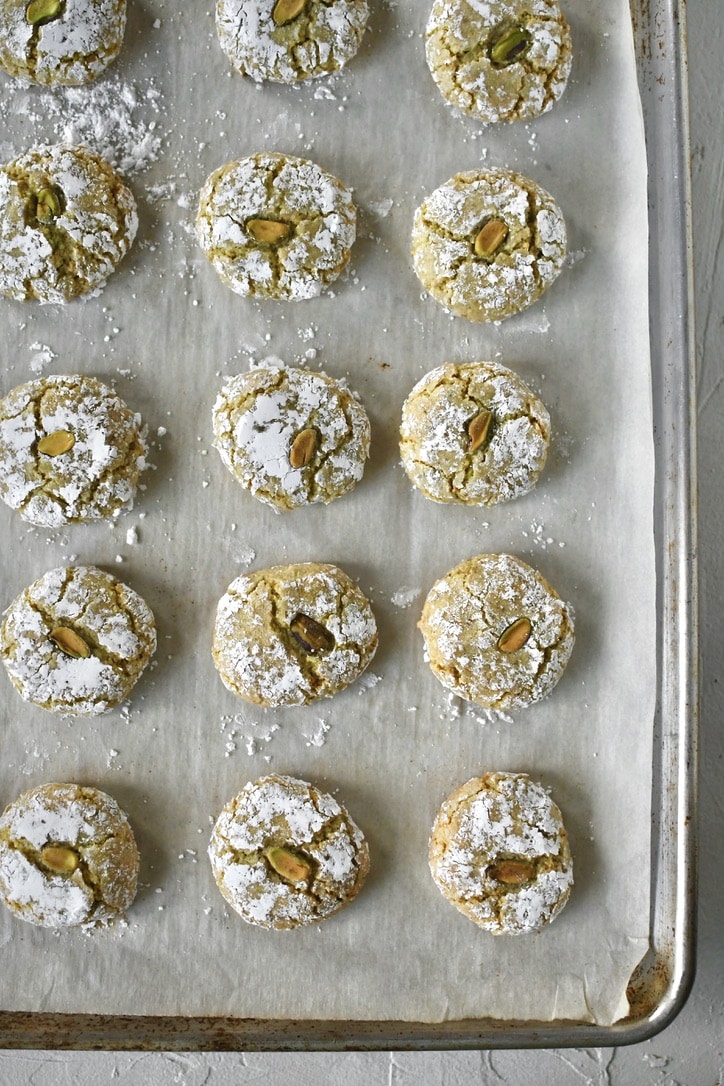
[
  {"x": 320, "y": 39},
  {"x": 73, "y": 252},
  {"x": 73, "y": 47},
  {"x": 316, "y": 207},
  {"x": 255, "y": 650},
  {"x": 465, "y": 616},
  {"x": 96, "y": 477},
  {"x": 278, "y": 811},
  {"x": 460, "y": 37},
  {"x": 437, "y": 451},
  {"x": 492, "y": 820},
  {"x": 115, "y": 623},
  {"x": 91, "y": 825},
  {"x": 257, "y": 417},
  {"x": 527, "y": 262}
]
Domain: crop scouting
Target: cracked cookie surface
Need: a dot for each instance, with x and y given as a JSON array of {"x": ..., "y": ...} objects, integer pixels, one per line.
[
  {"x": 291, "y": 437},
  {"x": 276, "y": 226},
  {"x": 474, "y": 433},
  {"x": 499, "y": 60},
  {"x": 70, "y": 450},
  {"x": 66, "y": 221},
  {"x": 290, "y": 635},
  {"x": 499, "y": 853},
  {"x": 488, "y": 243},
  {"x": 496, "y": 633},
  {"x": 68, "y": 857},
  {"x": 286, "y": 41},
  {"x": 285, "y": 854},
  {"x": 62, "y": 42},
  {"x": 76, "y": 641}
]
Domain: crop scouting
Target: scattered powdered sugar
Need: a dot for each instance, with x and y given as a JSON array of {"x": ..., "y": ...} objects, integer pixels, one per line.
[
  {"x": 115, "y": 118},
  {"x": 404, "y": 596},
  {"x": 42, "y": 357}
]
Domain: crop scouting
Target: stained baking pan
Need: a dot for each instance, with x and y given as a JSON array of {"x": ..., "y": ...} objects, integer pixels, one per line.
[{"x": 659, "y": 984}]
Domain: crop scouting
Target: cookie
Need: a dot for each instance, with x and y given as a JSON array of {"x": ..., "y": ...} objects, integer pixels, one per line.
[
  {"x": 474, "y": 433},
  {"x": 286, "y": 41},
  {"x": 285, "y": 854},
  {"x": 488, "y": 243},
  {"x": 496, "y": 633},
  {"x": 291, "y": 437},
  {"x": 290, "y": 635},
  {"x": 275, "y": 226},
  {"x": 499, "y": 853},
  {"x": 68, "y": 857},
  {"x": 507, "y": 60},
  {"x": 66, "y": 222},
  {"x": 70, "y": 450},
  {"x": 76, "y": 641},
  {"x": 66, "y": 42}
]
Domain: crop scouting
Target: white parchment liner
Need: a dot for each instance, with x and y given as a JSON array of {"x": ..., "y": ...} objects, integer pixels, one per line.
[{"x": 167, "y": 332}]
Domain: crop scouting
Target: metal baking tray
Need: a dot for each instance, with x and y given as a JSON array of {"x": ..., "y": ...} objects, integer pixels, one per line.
[{"x": 659, "y": 986}]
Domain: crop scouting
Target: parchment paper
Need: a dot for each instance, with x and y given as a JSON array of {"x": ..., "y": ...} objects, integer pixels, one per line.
[{"x": 167, "y": 332}]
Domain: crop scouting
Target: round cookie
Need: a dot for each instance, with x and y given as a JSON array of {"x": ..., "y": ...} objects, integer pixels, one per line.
[
  {"x": 66, "y": 222},
  {"x": 290, "y": 635},
  {"x": 275, "y": 226},
  {"x": 285, "y": 854},
  {"x": 70, "y": 450},
  {"x": 60, "y": 41},
  {"x": 76, "y": 641},
  {"x": 474, "y": 433},
  {"x": 496, "y": 633},
  {"x": 507, "y": 60},
  {"x": 499, "y": 853},
  {"x": 286, "y": 41},
  {"x": 488, "y": 243},
  {"x": 291, "y": 437},
  {"x": 68, "y": 857}
]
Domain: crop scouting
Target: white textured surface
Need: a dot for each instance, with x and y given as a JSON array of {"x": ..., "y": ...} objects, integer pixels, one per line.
[{"x": 691, "y": 1051}]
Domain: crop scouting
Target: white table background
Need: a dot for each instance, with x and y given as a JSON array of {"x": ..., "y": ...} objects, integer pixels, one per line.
[{"x": 690, "y": 1052}]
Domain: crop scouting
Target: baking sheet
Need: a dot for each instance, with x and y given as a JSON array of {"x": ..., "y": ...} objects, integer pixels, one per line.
[{"x": 167, "y": 332}]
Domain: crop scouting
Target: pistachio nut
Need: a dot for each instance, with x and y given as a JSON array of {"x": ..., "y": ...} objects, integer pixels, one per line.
[
  {"x": 489, "y": 238},
  {"x": 59, "y": 858},
  {"x": 515, "y": 636},
  {"x": 268, "y": 231},
  {"x": 509, "y": 45},
  {"x": 69, "y": 642},
  {"x": 303, "y": 448},
  {"x": 288, "y": 864},
  {"x": 513, "y": 872},
  {"x": 310, "y": 634},
  {"x": 57, "y": 443},
  {"x": 286, "y": 10},
  {"x": 479, "y": 429}
]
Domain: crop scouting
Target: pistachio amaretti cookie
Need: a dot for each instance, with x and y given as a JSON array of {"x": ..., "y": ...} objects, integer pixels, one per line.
[
  {"x": 504, "y": 60},
  {"x": 76, "y": 641},
  {"x": 68, "y": 857},
  {"x": 488, "y": 243},
  {"x": 68, "y": 42},
  {"x": 66, "y": 222},
  {"x": 287, "y": 41},
  {"x": 285, "y": 854},
  {"x": 474, "y": 433},
  {"x": 276, "y": 226},
  {"x": 290, "y": 635},
  {"x": 496, "y": 633},
  {"x": 499, "y": 853},
  {"x": 70, "y": 450},
  {"x": 291, "y": 437}
]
